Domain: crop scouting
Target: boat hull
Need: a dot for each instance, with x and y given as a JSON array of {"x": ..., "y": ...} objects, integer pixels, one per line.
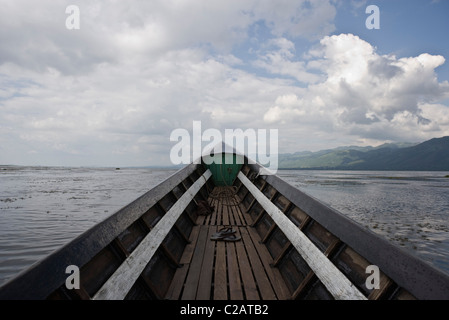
[{"x": 289, "y": 246}]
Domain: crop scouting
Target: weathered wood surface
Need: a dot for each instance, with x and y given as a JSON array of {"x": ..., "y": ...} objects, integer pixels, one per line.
[
  {"x": 334, "y": 280},
  {"x": 221, "y": 270},
  {"x": 47, "y": 275},
  {"x": 124, "y": 277},
  {"x": 279, "y": 226},
  {"x": 406, "y": 270}
]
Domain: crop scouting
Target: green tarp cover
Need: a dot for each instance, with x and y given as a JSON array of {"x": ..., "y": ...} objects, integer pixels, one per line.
[{"x": 224, "y": 173}]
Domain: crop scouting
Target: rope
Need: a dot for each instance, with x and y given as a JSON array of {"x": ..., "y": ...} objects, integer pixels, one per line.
[{"x": 227, "y": 193}]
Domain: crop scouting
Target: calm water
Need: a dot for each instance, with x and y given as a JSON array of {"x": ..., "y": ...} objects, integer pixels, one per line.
[
  {"x": 410, "y": 209},
  {"x": 42, "y": 209}
]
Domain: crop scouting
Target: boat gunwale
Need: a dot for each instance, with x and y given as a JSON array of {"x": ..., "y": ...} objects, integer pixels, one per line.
[
  {"x": 46, "y": 275},
  {"x": 410, "y": 272}
]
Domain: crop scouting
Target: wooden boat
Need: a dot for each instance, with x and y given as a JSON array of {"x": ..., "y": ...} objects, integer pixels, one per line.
[{"x": 287, "y": 246}]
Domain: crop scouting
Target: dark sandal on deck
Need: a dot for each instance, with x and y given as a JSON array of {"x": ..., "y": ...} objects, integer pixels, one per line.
[
  {"x": 231, "y": 237},
  {"x": 223, "y": 233}
]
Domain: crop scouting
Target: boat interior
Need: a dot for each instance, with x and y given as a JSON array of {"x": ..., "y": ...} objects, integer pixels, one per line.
[
  {"x": 228, "y": 233},
  {"x": 261, "y": 264}
]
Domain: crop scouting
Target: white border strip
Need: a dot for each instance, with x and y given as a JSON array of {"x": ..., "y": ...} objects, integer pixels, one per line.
[
  {"x": 119, "y": 284},
  {"x": 334, "y": 280}
]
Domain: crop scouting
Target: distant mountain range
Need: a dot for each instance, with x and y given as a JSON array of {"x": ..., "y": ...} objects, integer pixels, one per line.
[{"x": 431, "y": 155}]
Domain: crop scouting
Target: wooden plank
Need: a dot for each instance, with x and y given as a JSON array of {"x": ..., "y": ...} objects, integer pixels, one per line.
[
  {"x": 282, "y": 254},
  {"x": 213, "y": 218},
  {"x": 332, "y": 278},
  {"x": 238, "y": 216},
  {"x": 118, "y": 285},
  {"x": 190, "y": 247},
  {"x": 220, "y": 277},
  {"x": 219, "y": 209},
  {"x": 240, "y": 210},
  {"x": 229, "y": 206},
  {"x": 235, "y": 285},
  {"x": 191, "y": 284},
  {"x": 310, "y": 278},
  {"x": 274, "y": 274},
  {"x": 207, "y": 220},
  {"x": 306, "y": 283},
  {"x": 177, "y": 284},
  {"x": 205, "y": 281},
  {"x": 225, "y": 214},
  {"x": 249, "y": 284},
  {"x": 384, "y": 287},
  {"x": 43, "y": 278},
  {"x": 235, "y": 213},
  {"x": 201, "y": 220},
  {"x": 269, "y": 232},
  {"x": 258, "y": 218},
  {"x": 174, "y": 291},
  {"x": 266, "y": 291},
  {"x": 216, "y": 213}
]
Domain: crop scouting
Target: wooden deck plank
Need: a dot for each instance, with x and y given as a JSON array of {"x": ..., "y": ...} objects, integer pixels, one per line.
[
  {"x": 273, "y": 273},
  {"x": 225, "y": 219},
  {"x": 193, "y": 276},
  {"x": 234, "y": 217},
  {"x": 177, "y": 284},
  {"x": 205, "y": 281},
  {"x": 216, "y": 205},
  {"x": 265, "y": 289},
  {"x": 201, "y": 220},
  {"x": 227, "y": 270},
  {"x": 244, "y": 215},
  {"x": 235, "y": 212},
  {"x": 232, "y": 212},
  {"x": 219, "y": 210},
  {"x": 249, "y": 284},
  {"x": 220, "y": 276},
  {"x": 332, "y": 278},
  {"x": 235, "y": 285},
  {"x": 228, "y": 204},
  {"x": 190, "y": 247}
]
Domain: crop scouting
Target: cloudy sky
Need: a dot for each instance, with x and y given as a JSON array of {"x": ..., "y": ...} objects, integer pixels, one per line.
[{"x": 111, "y": 92}]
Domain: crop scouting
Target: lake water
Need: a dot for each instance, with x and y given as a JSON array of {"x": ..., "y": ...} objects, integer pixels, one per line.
[
  {"x": 41, "y": 208},
  {"x": 410, "y": 209}
]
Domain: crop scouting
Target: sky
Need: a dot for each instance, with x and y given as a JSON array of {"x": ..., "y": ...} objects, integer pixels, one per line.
[{"x": 111, "y": 90}]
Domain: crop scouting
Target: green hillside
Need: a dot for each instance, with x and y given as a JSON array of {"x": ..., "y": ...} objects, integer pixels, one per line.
[{"x": 431, "y": 155}]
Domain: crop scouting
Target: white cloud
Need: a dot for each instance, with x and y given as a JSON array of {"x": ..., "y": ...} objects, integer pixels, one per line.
[
  {"x": 111, "y": 92},
  {"x": 282, "y": 61},
  {"x": 34, "y": 33},
  {"x": 370, "y": 95}
]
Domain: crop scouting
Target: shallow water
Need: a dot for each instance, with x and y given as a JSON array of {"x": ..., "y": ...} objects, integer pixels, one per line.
[
  {"x": 410, "y": 209},
  {"x": 41, "y": 208}
]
